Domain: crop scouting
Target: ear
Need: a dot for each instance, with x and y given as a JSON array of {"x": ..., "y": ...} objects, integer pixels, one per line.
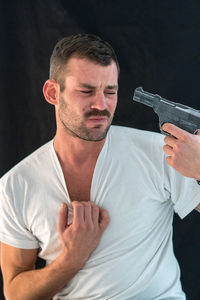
[{"x": 51, "y": 91}]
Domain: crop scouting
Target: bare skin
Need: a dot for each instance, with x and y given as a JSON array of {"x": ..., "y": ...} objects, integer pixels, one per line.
[{"x": 84, "y": 111}]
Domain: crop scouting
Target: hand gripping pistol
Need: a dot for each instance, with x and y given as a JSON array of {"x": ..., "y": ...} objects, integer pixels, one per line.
[{"x": 178, "y": 114}]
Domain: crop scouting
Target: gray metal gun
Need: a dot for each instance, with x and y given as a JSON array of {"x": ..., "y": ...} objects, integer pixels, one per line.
[{"x": 178, "y": 114}]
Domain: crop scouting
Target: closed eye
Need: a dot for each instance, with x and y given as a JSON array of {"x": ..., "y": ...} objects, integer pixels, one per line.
[
  {"x": 86, "y": 92},
  {"x": 111, "y": 93}
]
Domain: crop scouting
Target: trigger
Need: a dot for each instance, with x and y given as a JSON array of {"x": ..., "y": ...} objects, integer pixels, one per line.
[
  {"x": 162, "y": 131},
  {"x": 165, "y": 132}
]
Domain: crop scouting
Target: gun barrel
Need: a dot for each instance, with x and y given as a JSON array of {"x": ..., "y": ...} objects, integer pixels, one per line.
[{"x": 144, "y": 97}]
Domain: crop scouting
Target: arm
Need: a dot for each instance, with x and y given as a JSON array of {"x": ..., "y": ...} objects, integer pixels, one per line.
[
  {"x": 79, "y": 240},
  {"x": 183, "y": 150}
]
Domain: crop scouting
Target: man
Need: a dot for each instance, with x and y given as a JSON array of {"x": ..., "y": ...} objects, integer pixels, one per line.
[{"x": 110, "y": 187}]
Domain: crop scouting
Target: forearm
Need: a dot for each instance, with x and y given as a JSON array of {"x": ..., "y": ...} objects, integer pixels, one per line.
[
  {"x": 41, "y": 284},
  {"x": 79, "y": 240}
]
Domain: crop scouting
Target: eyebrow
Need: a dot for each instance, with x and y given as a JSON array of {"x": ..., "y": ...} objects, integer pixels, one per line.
[{"x": 89, "y": 86}]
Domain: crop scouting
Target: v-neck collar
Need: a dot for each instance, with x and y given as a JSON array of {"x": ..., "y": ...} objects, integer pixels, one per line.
[{"x": 97, "y": 168}]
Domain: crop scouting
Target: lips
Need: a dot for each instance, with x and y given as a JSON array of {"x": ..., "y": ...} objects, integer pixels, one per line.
[{"x": 97, "y": 118}]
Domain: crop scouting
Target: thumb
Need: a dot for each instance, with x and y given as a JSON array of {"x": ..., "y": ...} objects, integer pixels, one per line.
[
  {"x": 104, "y": 219},
  {"x": 62, "y": 218}
]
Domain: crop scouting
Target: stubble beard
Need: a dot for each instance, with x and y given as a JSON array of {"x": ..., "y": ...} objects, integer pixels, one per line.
[{"x": 76, "y": 127}]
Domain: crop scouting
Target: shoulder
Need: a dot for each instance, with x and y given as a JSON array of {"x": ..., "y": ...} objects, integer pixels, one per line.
[
  {"x": 139, "y": 137},
  {"x": 30, "y": 165}
]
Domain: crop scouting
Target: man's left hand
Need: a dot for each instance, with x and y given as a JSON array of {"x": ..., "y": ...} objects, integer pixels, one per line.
[{"x": 183, "y": 150}]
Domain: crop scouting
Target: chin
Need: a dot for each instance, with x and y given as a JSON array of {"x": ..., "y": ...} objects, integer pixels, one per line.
[{"x": 97, "y": 137}]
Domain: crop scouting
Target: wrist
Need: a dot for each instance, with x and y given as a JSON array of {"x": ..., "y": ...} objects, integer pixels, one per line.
[{"x": 68, "y": 262}]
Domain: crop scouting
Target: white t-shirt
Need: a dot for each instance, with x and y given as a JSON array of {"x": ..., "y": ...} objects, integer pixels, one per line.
[{"x": 135, "y": 258}]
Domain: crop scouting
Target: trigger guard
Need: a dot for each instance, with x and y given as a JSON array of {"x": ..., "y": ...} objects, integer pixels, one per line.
[{"x": 162, "y": 131}]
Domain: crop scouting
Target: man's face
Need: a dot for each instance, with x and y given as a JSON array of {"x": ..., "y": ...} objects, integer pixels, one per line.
[{"x": 88, "y": 102}]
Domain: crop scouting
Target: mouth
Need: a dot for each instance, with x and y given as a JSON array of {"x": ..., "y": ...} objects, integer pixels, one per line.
[{"x": 97, "y": 119}]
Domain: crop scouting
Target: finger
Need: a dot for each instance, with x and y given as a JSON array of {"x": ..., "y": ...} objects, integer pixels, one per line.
[
  {"x": 168, "y": 150},
  {"x": 170, "y": 140},
  {"x": 88, "y": 214},
  {"x": 62, "y": 218},
  {"x": 78, "y": 213},
  {"x": 169, "y": 161},
  {"x": 174, "y": 130},
  {"x": 104, "y": 221},
  {"x": 96, "y": 215}
]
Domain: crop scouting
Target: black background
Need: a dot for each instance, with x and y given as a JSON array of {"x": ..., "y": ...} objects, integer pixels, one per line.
[{"x": 158, "y": 47}]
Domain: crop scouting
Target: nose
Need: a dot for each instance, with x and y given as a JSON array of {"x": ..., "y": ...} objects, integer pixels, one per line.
[{"x": 99, "y": 102}]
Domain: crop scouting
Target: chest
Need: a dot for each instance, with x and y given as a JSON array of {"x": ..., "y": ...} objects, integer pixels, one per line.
[
  {"x": 78, "y": 183},
  {"x": 134, "y": 205}
]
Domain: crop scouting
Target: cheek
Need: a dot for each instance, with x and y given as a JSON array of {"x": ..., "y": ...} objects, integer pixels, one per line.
[{"x": 114, "y": 105}]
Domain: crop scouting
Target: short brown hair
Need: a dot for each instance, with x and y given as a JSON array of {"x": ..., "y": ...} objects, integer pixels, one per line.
[{"x": 87, "y": 46}]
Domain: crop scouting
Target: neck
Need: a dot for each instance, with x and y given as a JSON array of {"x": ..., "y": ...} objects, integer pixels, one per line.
[{"x": 75, "y": 151}]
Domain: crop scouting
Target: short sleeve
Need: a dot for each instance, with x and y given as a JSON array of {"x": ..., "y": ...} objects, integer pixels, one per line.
[
  {"x": 184, "y": 191},
  {"x": 13, "y": 230}
]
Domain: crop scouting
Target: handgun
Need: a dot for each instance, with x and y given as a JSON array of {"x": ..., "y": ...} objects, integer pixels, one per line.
[{"x": 178, "y": 114}]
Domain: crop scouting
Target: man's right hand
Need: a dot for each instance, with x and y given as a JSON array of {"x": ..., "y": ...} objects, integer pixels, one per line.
[
  {"x": 82, "y": 237},
  {"x": 79, "y": 240}
]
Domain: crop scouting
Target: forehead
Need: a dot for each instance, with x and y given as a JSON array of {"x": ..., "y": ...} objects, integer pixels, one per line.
[{"x": 84, "y": 70}]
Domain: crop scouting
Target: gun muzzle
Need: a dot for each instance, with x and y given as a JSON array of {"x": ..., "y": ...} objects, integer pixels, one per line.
[{"x": 144, "y": 97}]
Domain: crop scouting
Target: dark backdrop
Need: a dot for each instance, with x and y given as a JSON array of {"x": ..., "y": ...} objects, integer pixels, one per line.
[{"x": 158, "y": 46}]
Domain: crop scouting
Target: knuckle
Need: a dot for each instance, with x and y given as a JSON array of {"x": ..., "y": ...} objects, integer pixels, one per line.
[
  {"x": 79, "y": 227},
  {"x": 87, "y": 204},
  {"x": 95, "y": 209},
  {"x": 169, "y": 160},
  {"x": 166, "y": 139},
  {"x": 76, "y": 204},
  {"x": 178, "y": 146},
  {"x": 107, "y": 219},
  {"x": 165, "y": 147},
  {"x": 186, "y": 137},
  {"x": 174, "y": 162}
]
